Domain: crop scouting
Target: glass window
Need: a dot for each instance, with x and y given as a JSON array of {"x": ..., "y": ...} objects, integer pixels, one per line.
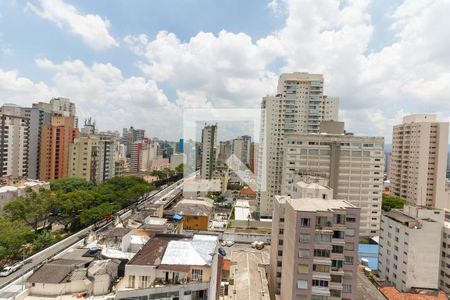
[
  {"x": 303, "y": 253},
  {"x": 302, "y": 284},
  {"x": 321, "y": 268},
  {"x": 305, "y": 222},
  {"x": 303, "y": 268},
  {"x": 305, "y": 238},
  {"x": 347, "y": 288}
]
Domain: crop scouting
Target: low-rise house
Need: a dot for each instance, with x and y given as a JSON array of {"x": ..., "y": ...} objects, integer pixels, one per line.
[
  {"x": 69, "y": 276},
  {"x": 173, "y": 267},
  {"x": 196, "y": 213}
]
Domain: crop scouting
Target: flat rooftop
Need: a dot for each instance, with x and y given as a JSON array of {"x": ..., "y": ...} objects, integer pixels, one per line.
[
  {"x": 317, "y": 204},
  {"x": 399, "y": 216}
]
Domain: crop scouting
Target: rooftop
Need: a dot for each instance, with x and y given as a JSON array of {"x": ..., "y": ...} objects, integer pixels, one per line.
[
  {"x": 170, "y": 251},
  {"x": 57, "y": 271},
  {"x": 401, "y": 217},
  {"x": 316, "y": 204},
  {"x": 189, "y": 207},
  {"x": 392, "y": 293}
]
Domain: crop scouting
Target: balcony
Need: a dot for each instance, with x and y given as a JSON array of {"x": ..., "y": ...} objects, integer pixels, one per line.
[{"x": 320, "y": 291}]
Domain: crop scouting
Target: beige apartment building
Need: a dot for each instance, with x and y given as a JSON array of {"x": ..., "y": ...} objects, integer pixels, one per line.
[
  {"x": 298, "y": 108},
  {"x": 14, "y": 142},
  {"x": 209, "y": 151},
  {"x": 314, "y": 246},
  {"x": 352, "y": 165},
  {"x": 419, "y": 161},
  {"x": 84, "y": 158}
]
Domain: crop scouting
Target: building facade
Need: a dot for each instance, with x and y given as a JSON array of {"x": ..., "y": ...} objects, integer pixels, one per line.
[
  {"x": 209, "y": 151},
  {"x": 299, "y": 107},
  {"x": 84, "y": 158},
  {"x": 409, "y": 249},
  {"x": 55, "y": 144},
  {"x": 14, "y": 142},
  {"x": 418, "y": 161},
  {"x": 352, "y": 165},
  {"x": 314, "y": 250}
]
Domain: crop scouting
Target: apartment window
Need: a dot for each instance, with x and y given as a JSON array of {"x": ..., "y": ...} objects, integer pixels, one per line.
[
  {"x": 321, "y": 253},
  {"x": 303, "y": 269},
  {"x": 323, "y": 238},
  {"x": 143, "y": 282},
  {"x": 197, "y": 275},
  {"x": 303, "y": 253},
  {"x": 314, "y": 297},
  {"x": 305, "y": 222},
  {"x": 321, "y": 283},
  {"x": 304, "y": 238},
  {"x": 347, "y": 288},
  {"x": 350, "y": 219},
  {"x": 338, "y": 249},
  {"x": 302, "y": 297},
  {"x": 302, "y": 284},
  {"x": 349, "y": 260},
  {"x": 321, "y": 268},
  {"x": 350, "y": 232},
  {"x": 350, "y": 246},
  {"x": 131, "y": 281}
]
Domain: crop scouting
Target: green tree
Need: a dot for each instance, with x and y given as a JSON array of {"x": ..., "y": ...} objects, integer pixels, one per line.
[
  {"x": 390, "y": 202},
  {"x": 14, "y": 235},
  {"x": 70, "y": 184},
  {"x": 33, "y": 208},
  {"x": 97, "y": 213},
  {"x": 45, "y": 239},
  {"x": 180, "y": 169}
]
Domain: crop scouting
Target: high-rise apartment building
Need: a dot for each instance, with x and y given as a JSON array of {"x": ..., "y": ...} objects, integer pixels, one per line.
[
  {"x": 209, "y": 149},
  {"x": 55, "y": 144},
  {"x": 129, "y": 136},
  {"x": 352, "y": 165},
  {"x": 92, "y": 157},
  {"x": 84, "y": 160},
  {"x": 143, "y": 153},
  {"x": 14, "y": 141},
  {"x": 241, "y": 148},
  {"x": 314, "y": 246},
  {"x": 299, "y": 107},
  {"x": 253, "y": 156},
  {"x": 418, "y": 161},
  {"x": 409, "y": 249}
]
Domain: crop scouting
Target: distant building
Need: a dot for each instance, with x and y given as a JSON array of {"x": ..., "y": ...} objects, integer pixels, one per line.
[
  {"x": 314, "y": 248},
  {"x": 55, "y": 144},
  {"x": 14, "y": 142},
  {"x": 209, "y": 151},
  {"x": 176, "y": 160},
  {"x": 419, "y": 160},
  {"x": 409, "y": 247},
  {"x": 253, "y": 157}
]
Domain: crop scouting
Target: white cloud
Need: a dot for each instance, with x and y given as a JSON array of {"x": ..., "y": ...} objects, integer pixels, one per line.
[
  {"x": 21, "y": 90},
  {"x": 224, "y": 70},
  {"x": 93, "y": 29}
]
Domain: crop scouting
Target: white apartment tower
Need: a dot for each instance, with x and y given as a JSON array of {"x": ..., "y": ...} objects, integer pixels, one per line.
[
  {"x": 419, "y": 160},
  {"x": 298, "y": 107},
  {"x": 409, "y": 249},
  {"x": 209, "y": 148},
  {"x": 352, "y": 165},
  {"x": 14, "y": 141}
]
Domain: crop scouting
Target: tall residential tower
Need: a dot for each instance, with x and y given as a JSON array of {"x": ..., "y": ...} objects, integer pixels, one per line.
[{"x": 298, "y": 108}]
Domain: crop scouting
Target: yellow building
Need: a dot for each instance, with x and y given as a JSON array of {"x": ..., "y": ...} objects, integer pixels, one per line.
[
  {"x": 84, "y": 158},
  {"x": 196, "y": 213}
]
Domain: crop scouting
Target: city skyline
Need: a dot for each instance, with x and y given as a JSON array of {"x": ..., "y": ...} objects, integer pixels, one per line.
[{"x": 121, "y": 73}]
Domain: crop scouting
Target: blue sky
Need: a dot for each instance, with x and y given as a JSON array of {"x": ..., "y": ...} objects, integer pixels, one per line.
[{"x": 142, "y": 62}]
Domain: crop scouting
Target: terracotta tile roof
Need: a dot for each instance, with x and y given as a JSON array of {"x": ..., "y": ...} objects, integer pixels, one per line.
[
  {"x": 248, "y": 191},
  {"x": 392, "y": 293}
]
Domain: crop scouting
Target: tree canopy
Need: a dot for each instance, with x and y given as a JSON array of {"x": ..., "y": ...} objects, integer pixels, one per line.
[{"x": 390, "y": 202}]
